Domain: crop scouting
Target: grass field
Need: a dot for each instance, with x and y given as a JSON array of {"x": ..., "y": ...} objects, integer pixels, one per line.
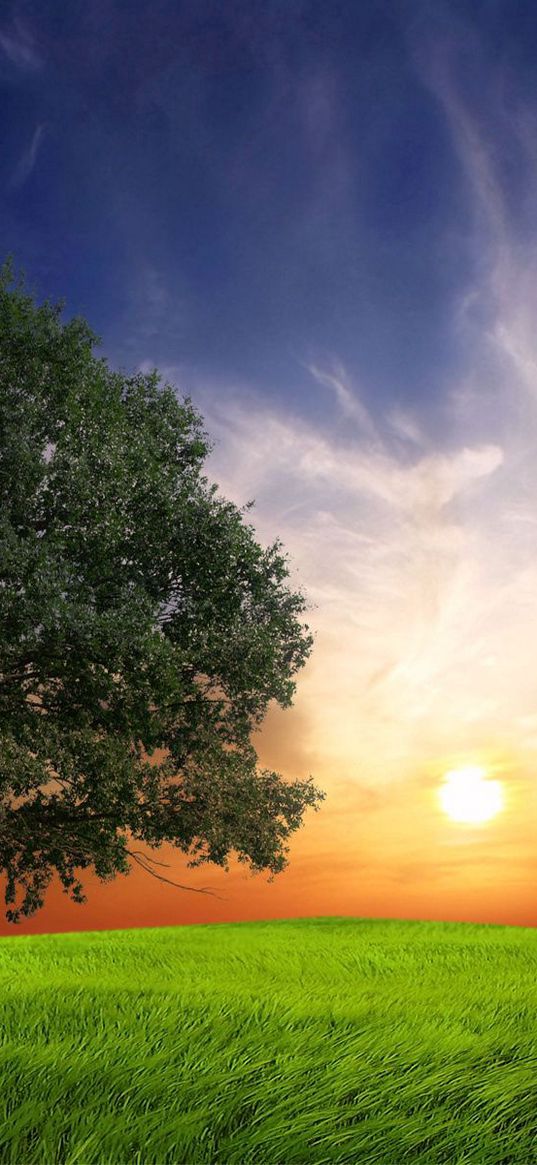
[{"x": 315, "y": 1040}]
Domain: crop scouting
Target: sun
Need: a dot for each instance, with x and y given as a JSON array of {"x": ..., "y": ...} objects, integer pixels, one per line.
[{"x": 468, "y": 795}]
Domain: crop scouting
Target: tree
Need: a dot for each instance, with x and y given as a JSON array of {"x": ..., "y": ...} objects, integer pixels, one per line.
[{"x": 137, "y": 612}]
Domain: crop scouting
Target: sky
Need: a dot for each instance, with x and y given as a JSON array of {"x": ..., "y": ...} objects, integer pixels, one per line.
[{"x": 319, "y": 221}]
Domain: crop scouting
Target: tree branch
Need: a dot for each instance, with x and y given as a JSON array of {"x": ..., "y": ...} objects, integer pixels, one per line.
[{"x": 133, "y": 852}]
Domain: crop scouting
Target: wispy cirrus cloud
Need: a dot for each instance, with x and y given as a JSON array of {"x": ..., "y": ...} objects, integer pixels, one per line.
[
  {"x": 493, "y": 139},
  {"x": 18, "y": 44},
  {"x": 27, "y": 160},
  {"x": 336, "y": 379}
]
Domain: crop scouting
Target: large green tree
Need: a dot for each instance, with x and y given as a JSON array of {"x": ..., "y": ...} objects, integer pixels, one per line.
[{"x": 137, "y": 612}]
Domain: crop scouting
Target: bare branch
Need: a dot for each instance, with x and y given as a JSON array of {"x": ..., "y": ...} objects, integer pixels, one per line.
[{"x": 133, "y": 852}]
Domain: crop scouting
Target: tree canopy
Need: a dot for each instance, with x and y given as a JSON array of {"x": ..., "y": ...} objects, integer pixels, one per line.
[{"x": 137, "y": 613}]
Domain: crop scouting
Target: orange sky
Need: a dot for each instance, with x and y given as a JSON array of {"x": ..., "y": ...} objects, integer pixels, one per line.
[
  {"x": 421, "y": 575},
  {"x": 387, "y": 852}
]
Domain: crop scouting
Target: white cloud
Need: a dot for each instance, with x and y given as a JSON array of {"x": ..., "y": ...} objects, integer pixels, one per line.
[
  {"x": 351, "y": 406},
  {"x": 407, "y": 615},
  {"x": 406, "y": 427}
]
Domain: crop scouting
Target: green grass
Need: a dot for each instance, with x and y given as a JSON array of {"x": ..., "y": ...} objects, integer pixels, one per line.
[{"x": 315, "y": 1040}]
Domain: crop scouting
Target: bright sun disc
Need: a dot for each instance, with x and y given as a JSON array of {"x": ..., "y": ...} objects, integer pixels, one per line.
[{"x": 467, "y": 795}]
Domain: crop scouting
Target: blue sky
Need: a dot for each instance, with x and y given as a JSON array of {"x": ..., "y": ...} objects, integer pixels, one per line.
[
  {"x": 243, "y": 189},
  {"x": 319, "y": 220}
]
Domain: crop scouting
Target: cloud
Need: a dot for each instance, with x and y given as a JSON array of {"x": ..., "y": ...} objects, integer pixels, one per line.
[
  {"x": 397, "y": 576},
  {"x": 158, "y": 306},
  {"x": 320, "y": 105},
  {"x": 18, "y": 45},
  {"x": 406, "y": 427},
  {"x": 351, "y": 407},
  {"x": 493, "y": 138},
  {"x": 418, "y": 553},
  {"x": 28, "y": 159}
]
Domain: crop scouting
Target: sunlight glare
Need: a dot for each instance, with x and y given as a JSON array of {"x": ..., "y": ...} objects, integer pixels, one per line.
[{"x": 467, "y": 795}]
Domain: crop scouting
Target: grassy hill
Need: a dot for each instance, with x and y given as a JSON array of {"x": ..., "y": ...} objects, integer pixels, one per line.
[{"x": 315, "y": 1040}]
